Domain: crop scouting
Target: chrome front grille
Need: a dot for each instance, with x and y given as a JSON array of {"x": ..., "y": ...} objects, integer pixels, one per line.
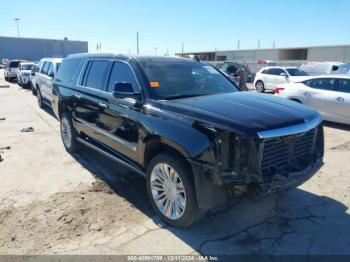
[{"x": 282, "y": 154}]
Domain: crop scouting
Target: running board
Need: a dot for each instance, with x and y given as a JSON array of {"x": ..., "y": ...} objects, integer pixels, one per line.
[{"x": 115, "y": 158}]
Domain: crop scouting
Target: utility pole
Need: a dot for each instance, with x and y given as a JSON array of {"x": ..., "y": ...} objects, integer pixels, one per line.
[
  {"x": 137, "y": 43},
  {"x": 17, "y": 21},
  {"x": 274, "y": 45},
  {"x": 182, "y": 48},
  {"x": 167, "y": 51},
  {"x": 238, "y": 44}
]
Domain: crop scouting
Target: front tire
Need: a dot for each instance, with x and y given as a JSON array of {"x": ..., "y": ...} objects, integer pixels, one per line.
[
  {"x": 68, "y": 134},
  {"x": 260, "y": 87},
  {"x": 171, "y": 190},
  {"x": 33, "y": 90}
]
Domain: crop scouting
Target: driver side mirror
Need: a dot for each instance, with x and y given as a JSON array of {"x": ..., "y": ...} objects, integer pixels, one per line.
[
  {"x": 125, "y": 90},
  {"x": 284, "y": 74}
]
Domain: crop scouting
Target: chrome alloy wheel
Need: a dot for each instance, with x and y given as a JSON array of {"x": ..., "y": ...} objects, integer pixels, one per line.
[
  {"x": 168, "y": 191},
  {"x": 66, "y": 132}
]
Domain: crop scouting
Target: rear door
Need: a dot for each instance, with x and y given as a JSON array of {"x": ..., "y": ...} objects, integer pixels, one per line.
[
  {"x": 278, "y": 78},
  {"x": 90, "y": 97},
  {"x": 41, "y": 76},
  {"x": 342, "y": 97},
  {"x": 47, "y": 79},
  {"x": 321, "y": 96},
  {"x": 119, "y": 118}
]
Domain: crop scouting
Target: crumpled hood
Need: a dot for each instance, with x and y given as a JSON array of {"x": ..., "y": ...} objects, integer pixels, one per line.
[{"x": 242, "y": 112}]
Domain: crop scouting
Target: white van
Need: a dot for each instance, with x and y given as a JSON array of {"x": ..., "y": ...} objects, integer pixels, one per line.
[{"x": 325, "y": 68}]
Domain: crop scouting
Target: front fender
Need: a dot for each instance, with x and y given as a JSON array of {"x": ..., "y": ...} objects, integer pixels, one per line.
[{"x": 190, "y": 142}]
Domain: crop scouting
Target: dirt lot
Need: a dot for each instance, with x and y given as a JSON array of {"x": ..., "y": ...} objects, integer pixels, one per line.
[{"x": 52, "y": 202}]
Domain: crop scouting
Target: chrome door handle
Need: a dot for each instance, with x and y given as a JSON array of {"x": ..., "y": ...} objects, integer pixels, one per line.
[
  {"x": 77, "y": 96},
  {"x": 306, "y": 94},
  {"x": 103, "y": 105},
  {"x": 340, "y": 99}
]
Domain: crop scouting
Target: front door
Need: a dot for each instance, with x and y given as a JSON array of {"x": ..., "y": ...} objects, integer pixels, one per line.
[{"x": 119, "y": 118}]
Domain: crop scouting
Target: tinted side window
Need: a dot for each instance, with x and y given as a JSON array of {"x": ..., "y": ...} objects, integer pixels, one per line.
[
  {"x": 343, "y": 85},
  {"x": 321, "y": 83},
  {"x": 67, "y": 70},
  {"x": 45, "y": 68},
  {"x": 97, "y": 74},
  {"x": 277, "y": 71},
  {"x": 50, "y": 69},
  {"x": 122, "y": 72},
  {"x": 268, "y": 71}
]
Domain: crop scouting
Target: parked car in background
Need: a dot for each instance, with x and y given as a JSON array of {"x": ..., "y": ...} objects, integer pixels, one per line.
[
  {"x": 34, "y": 70},
  {"x": 268, "y": 78},
  {"x": 23, "y": 74},
  {"x": 48, "y": 68},
  {"x": 343, "y": 69},
  {"x": 10, "y": 72},
  {"x": 231, "y": 69},
  {"x": 328, "y": 94},
  {"x": 325, "y": 68},
  {"x": 186, "y": 128}
]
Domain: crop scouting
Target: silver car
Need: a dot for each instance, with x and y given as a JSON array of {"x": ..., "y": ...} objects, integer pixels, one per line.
[{"x": 330, "y": 94}]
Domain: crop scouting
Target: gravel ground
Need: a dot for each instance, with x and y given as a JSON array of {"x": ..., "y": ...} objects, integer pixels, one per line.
[{"x": 52, "y": 202}]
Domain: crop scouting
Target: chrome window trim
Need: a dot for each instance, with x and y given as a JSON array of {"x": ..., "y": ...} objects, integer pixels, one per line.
[
  {"x": 103, "y": 132},
  {"x": 291, "y": 130}
]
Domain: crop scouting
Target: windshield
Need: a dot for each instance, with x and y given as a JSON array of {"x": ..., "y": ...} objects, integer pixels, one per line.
[
  {"x": 27, "y": 67},
  {"x": 171, "y": 80},
  {"x": 296, "y": 72}
]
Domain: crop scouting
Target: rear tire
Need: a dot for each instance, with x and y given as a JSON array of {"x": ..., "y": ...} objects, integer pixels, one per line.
[
  {"x": 260, "y": 87},
  {"x": 171, "y": 190},
  {"x": 40, "y": 99},
  {"x": 68, "y": 134}
]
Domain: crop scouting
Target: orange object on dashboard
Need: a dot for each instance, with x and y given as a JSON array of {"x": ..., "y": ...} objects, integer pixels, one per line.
[{"x": 154, "y": 84}]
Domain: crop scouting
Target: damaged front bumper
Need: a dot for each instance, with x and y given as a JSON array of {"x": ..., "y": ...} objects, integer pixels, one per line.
[{"x": 258, "y": 166}]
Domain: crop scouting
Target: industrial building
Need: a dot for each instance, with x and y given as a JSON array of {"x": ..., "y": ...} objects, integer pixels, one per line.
[
  {"x": 298, "y": 55},
  {"x": 34, "y": 49}
]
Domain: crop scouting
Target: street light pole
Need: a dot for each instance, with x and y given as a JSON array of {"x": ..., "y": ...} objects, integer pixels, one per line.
[{"x": 17, "y": 21}]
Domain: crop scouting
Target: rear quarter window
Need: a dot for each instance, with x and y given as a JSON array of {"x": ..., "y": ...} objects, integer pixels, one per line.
[{"x": 97, "y": 74}]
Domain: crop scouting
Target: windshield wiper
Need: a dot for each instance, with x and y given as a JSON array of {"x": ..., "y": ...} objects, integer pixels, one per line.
[{"x": 182, "y": 96}]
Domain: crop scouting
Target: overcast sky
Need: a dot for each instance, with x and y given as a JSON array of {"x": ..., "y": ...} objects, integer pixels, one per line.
[{"x": 200, "y": 25}]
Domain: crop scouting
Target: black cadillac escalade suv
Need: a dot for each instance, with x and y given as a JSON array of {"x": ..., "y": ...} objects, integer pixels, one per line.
[{"x": 186, "y": 128}]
